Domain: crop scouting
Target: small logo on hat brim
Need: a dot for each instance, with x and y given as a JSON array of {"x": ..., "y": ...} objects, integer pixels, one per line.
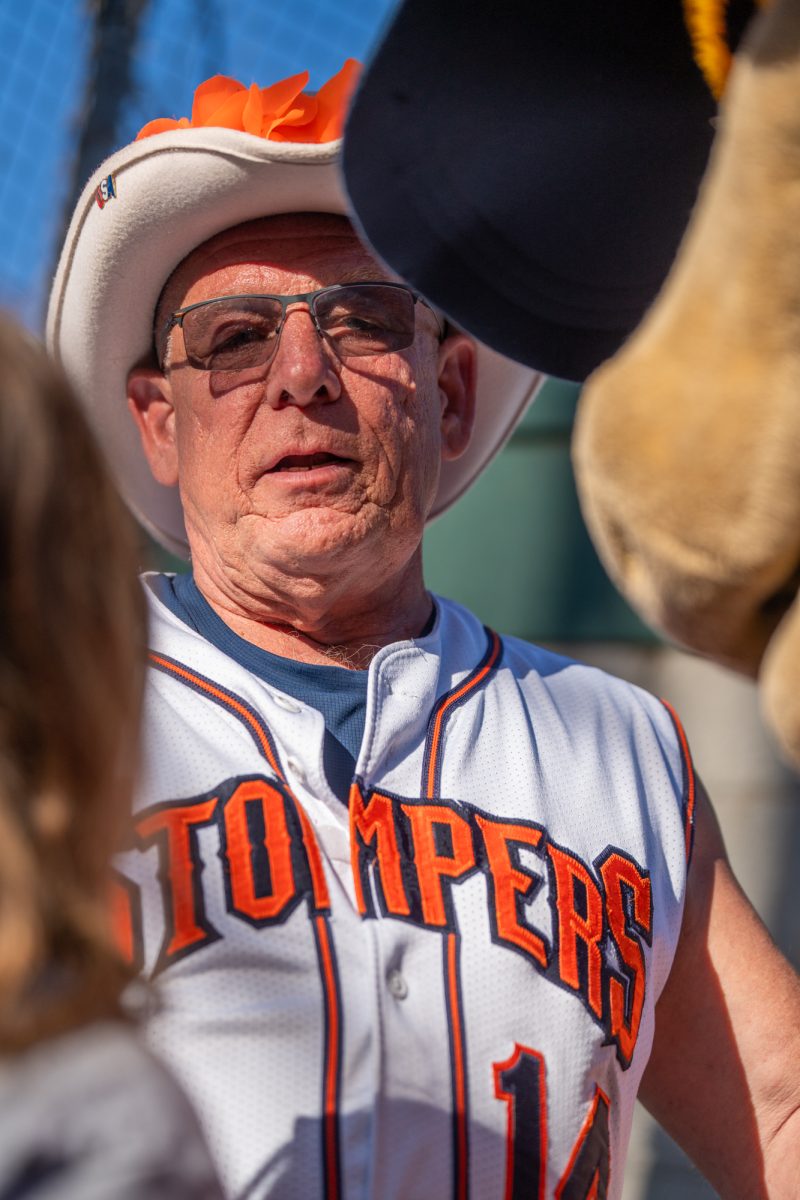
[{"x": 106, "y": 190}]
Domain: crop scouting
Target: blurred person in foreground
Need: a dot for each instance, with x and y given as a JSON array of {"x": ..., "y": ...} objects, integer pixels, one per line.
[
  {"x": 85, "y": 1111},
  {"x": 426, "y": 907}
]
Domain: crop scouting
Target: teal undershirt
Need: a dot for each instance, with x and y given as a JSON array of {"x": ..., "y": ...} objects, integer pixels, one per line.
[{"x": 338, "y": 693}]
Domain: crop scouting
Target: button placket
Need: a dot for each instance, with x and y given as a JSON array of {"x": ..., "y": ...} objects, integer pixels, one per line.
[{"x": 295, "y": 733}]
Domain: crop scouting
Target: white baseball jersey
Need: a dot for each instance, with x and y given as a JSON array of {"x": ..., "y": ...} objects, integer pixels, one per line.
[{"x": 446, "y": 989}]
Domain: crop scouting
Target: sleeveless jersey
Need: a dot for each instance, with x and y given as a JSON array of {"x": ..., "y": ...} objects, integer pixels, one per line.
[{"x": 446, "y": 988}]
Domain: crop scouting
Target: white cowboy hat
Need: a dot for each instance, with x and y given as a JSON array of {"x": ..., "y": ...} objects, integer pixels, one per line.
[{"x": 146, "y": 208}]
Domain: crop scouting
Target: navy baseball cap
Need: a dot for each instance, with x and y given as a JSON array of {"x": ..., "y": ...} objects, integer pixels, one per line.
[{"x": 531, "y": 167}]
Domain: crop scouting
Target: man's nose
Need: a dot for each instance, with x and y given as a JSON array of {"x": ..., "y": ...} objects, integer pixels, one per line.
[{"x": 304, "y": 370}]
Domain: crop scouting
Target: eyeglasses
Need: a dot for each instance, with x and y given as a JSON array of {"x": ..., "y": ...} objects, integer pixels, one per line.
[{"x": 232, "y": 333}]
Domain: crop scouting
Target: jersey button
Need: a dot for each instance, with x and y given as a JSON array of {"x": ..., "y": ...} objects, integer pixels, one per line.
[
  {"x": 397, "y": 984},
  {"x": 286, "y": 703}
]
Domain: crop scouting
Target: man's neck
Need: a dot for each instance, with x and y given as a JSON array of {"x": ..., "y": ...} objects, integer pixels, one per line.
[{"x": 306, "y": 628}]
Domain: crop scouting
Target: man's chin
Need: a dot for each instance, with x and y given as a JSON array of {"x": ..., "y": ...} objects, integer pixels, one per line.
[{"x": 316, "y": 541}]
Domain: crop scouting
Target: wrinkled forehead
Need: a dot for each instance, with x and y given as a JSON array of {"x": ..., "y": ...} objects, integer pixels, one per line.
[{"x": 322, "y": 247}]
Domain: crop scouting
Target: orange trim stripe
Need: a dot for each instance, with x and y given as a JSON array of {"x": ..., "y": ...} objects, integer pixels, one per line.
[
  {"x": 318, "y": 881},
  {"x": 321, "y": 902},
  {"x": 449, "y": 701},
  {"x": 331, "y": 1085},
  {"x": 322, "y": 898},
  {"x": 222, "y": 697},
  {"x": 690, "y": 783},
  {"x": 460, "y": 1088},
  {"x": 433, "y": 755}
]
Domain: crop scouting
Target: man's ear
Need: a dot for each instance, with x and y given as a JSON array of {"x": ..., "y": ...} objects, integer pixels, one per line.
[
  {"x": 150, "y": 404},
  {"x": 457, "y": 383}
]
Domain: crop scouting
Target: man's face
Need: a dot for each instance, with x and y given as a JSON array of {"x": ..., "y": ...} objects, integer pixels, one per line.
[{"x": 308, "y": 461}]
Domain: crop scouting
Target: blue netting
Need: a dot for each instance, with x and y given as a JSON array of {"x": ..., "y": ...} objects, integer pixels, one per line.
[
  {"x": 44, "y": 54},
  {"x": 46, "y": 69}
]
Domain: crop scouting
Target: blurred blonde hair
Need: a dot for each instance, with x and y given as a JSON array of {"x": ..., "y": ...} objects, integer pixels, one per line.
[{"x": 72, "y": 635}]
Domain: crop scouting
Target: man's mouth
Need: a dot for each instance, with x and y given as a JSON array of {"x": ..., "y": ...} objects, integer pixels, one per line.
[{"x": 306, "y": 462}]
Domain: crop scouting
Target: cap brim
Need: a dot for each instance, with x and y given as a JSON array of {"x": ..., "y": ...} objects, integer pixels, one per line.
[
  {"x": 174, "y": 191},
  {"x": 531, "y": 170}
]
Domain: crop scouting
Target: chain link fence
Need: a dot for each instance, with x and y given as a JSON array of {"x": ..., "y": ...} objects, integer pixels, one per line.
[{"x": 80, "y": 77}]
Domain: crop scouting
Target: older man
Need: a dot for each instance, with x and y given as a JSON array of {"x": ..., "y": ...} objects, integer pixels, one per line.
[{"x": 422, "y": 902}]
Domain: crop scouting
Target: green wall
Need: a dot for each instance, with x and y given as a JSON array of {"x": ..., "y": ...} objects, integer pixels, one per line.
[{"x": 515, "y": 549}]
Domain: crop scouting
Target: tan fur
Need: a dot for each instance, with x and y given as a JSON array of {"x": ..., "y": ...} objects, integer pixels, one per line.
[{"x": 687, "y": 443}]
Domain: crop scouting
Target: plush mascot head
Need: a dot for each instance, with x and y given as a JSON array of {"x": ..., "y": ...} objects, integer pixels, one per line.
[
  {"x": 687, "y": 445},
  {"x": 538, "y": 168}
]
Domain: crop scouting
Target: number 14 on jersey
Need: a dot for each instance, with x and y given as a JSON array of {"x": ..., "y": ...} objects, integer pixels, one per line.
[{"x": 521, "y": 1083}]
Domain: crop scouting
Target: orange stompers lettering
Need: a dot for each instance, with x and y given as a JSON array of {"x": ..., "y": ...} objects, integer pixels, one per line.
[
  {"x": 509, "y": 884},
  {"x": 431, "y": 864},
  {"x": 576, "y": 926},
  {"x": 618, "y": 872},
  {"x": 259, "y": 893},
  {"x": 174, "y": 828},
  {"x": 373, "y": 824}
]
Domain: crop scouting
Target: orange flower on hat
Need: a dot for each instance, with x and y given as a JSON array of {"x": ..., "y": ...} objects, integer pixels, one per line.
[{"x": 283, "y": 112}]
